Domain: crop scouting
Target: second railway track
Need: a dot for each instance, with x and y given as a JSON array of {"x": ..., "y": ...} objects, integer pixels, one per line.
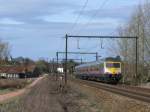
[{"x": 137, "y": 93}]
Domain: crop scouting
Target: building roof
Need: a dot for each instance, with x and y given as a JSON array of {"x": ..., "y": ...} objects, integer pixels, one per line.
[{"x": 16, "y": 69}]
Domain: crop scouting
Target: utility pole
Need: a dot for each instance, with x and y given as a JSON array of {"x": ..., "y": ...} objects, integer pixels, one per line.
[
  {"x": 96, "y": 56},
  {"x": 57, "y": 65},
  {"x": 136, "y": 66},
  {"x": 57, "y": 58},
  {"x": 66, "y": 56},
  {"x": 81, "y": 61},
  {"x": 53, "y": 62}
]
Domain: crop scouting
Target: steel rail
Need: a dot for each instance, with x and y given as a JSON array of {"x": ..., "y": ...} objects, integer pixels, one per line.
[{"x": 134, "y": 94}]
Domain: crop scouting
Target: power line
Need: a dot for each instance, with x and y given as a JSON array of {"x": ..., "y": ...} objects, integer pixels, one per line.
[
  {"x": 87, "y": 24},
  {"x": 78, "y": 17},
  {"x": 95, "y": 46},
  {"x": 101, "y": 6}
]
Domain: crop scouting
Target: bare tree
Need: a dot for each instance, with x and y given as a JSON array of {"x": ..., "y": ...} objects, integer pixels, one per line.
[
  {"x": 4, "y": 51},
  {"x": 139, "y": 25}
]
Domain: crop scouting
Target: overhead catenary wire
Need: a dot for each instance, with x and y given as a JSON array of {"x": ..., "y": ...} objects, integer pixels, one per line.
[
  {"x": 78, "y": 17},
  {"x": 97, "y": 45},
  {"x": 87, "y": 24},
  {"x": 94, "y": 15}
]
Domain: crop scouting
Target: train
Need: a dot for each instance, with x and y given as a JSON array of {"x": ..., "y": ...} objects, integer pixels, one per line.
[{"x": 105, "y": 70}]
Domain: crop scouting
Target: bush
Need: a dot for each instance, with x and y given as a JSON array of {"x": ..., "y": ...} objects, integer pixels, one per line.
[{"x": 13, "y": 83}]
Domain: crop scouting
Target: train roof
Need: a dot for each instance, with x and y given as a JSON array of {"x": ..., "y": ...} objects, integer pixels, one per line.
[
  {"x": 90, "y": 63},
  {"x": 99, "y": 62}
]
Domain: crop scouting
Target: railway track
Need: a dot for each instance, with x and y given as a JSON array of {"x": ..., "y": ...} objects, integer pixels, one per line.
[{"x": 141, "y": 94}]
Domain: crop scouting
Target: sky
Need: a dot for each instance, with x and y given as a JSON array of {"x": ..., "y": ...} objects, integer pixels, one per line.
[{"x": 36, "y": 28}]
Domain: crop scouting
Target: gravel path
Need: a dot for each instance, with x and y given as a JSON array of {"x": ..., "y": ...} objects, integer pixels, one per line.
[
  {"x": 49, "y": 96},
  {"x": 46, "y": 96},
  {"x": 10, "y": 95}
]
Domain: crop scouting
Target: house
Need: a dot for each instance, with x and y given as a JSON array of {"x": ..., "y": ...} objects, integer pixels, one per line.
[{"x": 16, "y": 71}]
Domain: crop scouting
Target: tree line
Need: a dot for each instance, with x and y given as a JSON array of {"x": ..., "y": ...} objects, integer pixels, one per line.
[
  {"x": 139, "y": 26},
  {"x": 41, "y": 65}
]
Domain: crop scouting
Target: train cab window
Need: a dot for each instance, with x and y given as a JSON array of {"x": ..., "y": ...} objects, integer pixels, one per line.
[{"x": 113, "y": 65}]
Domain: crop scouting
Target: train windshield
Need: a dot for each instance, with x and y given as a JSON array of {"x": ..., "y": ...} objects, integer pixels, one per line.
[{"x": 113, "y": 65}]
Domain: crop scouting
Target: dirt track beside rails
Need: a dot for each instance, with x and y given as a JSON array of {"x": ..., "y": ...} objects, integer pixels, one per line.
[
  {"x": 49, "y": 96},
  {"x": 46, "y": 96},
  {"x": 10, "y": 95}
]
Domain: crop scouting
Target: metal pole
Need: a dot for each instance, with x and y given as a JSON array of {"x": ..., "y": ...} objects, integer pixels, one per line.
[
  {"x": 96, "y": 56},
  {"x": 81, "y": 61},
  {"x": 66, "y": 51},
  {"x": 57, "y": 66},
  {"x": 57, "y": 58},
  {"x": 53, "y": 65},
  {"x": 136, "y": 69},
  {"x": 87, "y": 36}
]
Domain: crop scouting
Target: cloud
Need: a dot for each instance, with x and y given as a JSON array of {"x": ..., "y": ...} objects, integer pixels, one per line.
[
  {"x": 39, "y": 30},
  {"x": 30, "y": 10},
  {"x": 9, "y": 21},
  {"x": 37, "y": 25},
  {"x": 117, "y": 12}
]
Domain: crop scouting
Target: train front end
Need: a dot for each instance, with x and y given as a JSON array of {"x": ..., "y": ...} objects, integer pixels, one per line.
[{"x": 112, "y": 70}]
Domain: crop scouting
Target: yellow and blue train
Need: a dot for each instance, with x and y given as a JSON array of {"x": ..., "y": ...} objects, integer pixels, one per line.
[{"x": 105, "y": 70}]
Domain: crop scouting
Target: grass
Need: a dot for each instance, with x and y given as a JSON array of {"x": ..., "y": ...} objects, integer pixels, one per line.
[
  {"x": 8, "y": 85},
  {"x": 5, "y": 91},
  {"x": 45, "y": 96},
  {"x": 11, "y": 105}
]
